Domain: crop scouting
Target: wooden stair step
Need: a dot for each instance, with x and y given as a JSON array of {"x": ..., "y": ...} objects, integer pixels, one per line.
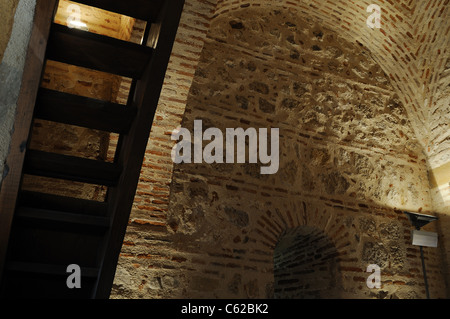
[
  {"x": 98, "y": 52},
  {"x": 71, "y": 168},
  {"x": 146, "y": 10},
  {"x": 47, "y": 215},
  {"x": 62, "y": 203},
  {"x": 82, "y": 111},
  {"x": 48, "y": 269}
]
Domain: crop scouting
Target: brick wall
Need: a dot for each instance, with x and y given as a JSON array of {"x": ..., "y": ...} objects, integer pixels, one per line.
[
  {"x": 350, "y": 159},
  {"x": 151, "y": 202}
]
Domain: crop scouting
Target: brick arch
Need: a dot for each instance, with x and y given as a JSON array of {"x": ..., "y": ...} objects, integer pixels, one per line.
[
  {"x": 272, "y": 224},
  {"x": 306, "y": 239}
]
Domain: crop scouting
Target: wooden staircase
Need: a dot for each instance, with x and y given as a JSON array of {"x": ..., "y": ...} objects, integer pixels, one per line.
[{"x": 50, "y": 232}]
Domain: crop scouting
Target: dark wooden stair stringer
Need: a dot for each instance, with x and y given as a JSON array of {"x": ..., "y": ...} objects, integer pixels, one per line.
[{"x": 48, "y": 231}]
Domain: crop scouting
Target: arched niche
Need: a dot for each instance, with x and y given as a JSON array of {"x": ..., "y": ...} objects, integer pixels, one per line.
[{"x": 306, "y": 265}]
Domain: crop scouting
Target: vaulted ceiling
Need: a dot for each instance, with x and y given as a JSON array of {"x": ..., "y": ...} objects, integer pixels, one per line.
[{"x": 411, "y": 46}]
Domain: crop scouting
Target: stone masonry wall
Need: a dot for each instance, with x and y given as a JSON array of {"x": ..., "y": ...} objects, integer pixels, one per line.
[{"x": 349, "y": 163}]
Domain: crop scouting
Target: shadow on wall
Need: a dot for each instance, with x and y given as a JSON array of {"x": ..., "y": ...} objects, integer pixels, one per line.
[{"x": 306, "y": 265}]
